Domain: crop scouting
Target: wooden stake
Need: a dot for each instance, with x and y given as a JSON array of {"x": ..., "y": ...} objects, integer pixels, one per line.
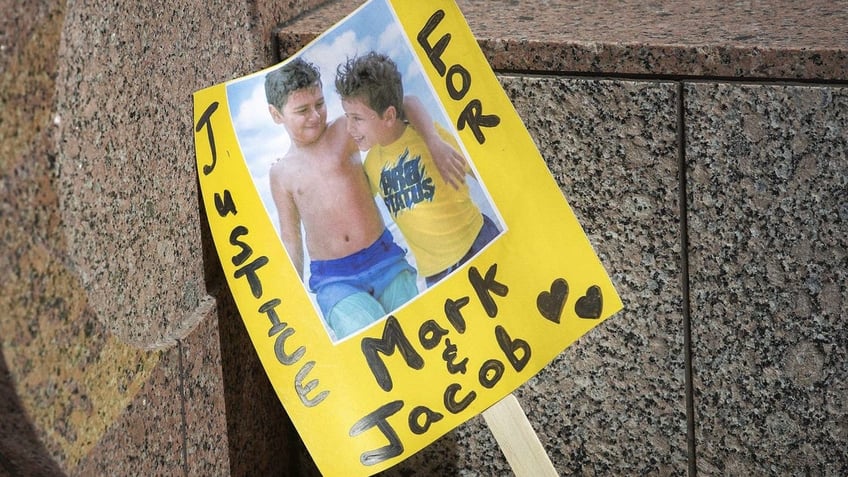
[{"x": 518, "y": 440}]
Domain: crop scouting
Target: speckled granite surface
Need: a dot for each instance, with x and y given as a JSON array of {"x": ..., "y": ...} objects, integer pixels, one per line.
[
  {"x": 64, "y": 379},
  {"x": 774, "y": 39},
  {"x": 99, "y": 212},
  {"x": 769, "y": 374},
  {"x": 126, "y": 177},
  {"x": 126, "y": 182},
  {"x": 612, "y": 403},
  {"x": 769, "y": 259}
]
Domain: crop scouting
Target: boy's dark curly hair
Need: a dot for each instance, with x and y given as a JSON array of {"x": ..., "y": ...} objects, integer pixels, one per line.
[
  {"x": 292, "y": 76},
  {"x": 374, "y": 79}
]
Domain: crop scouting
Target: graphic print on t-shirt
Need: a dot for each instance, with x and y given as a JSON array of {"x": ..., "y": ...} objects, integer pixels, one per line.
[{"x": 405, "y": 184}]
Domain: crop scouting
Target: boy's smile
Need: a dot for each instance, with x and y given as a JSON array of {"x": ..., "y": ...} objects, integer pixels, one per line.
[{"x": 365, "y": 126}]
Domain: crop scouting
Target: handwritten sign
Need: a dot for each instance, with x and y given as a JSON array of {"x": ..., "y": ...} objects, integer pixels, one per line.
[{"x": 368, "y": 397}]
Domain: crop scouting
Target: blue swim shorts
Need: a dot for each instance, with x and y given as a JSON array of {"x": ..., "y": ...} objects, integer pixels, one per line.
[{"x": 371, "y": 270}]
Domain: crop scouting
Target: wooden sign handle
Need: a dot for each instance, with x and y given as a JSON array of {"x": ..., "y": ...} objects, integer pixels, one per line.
[{"x": 518, "y": 440}]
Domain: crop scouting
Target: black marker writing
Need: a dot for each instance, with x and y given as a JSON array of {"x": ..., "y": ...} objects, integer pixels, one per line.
[
  {"x": 249, "y": 271},
  {"x": 246, "y": 251},
  {"x": 490, "y": 373},
  {"x": 393, "y": 337},
  {"x": 449, "y": 355},
  {"x": 429, "y": 415},
  {"x": 430, "y": 334},
  {"x": 512, "y": 348},
  {"x": 454, "y": 406},
  {"x": 303, "y": 390},
  {"x": 225, "y": 205},
  {"x": 378, "y": 418},
  {"x": 485, "y": 287},
  {"x": 454, "y": 315},
  {"x": 204, "y": 121},
  {"x": 472, "y": 115}
]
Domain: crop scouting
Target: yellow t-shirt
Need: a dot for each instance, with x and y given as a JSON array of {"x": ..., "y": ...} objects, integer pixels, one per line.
[{"x": 438, "y": 222}]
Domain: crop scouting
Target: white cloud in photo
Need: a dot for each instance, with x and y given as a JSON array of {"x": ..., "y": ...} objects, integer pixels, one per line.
[
  {"x": 328, "y": 56},
  {"x": 253, "y": 113},
  {"x": 392, "y": 42},
  {"x": 263, "y": 151}
]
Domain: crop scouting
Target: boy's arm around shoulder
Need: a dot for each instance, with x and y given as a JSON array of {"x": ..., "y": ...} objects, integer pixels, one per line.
[
  {"x": 288, "y": 214},
  {"x": 450, "y": 163},
  {"x": 342, "y": 142}
]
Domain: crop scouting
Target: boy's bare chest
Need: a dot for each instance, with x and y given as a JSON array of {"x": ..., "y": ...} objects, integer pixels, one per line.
[{"x": 320, "y": 175}]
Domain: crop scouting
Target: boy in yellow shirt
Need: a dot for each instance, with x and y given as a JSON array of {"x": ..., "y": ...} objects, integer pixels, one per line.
[{"x": 440, "y": 222}]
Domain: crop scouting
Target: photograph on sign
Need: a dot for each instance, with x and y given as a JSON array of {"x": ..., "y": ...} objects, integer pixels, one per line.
[{"x": 356, "y": 100}]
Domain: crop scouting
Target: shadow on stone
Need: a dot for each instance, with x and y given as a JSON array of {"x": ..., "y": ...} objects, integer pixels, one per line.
[{"x": 21, "y": 453}]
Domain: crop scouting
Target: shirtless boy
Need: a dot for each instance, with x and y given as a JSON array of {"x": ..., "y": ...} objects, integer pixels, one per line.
[{"x": 358, "y": 272}]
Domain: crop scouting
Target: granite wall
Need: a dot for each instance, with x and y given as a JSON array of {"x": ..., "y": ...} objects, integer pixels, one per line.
[
  {"x": 120, "y": 350},
  {"x": 703, "y": 149}
]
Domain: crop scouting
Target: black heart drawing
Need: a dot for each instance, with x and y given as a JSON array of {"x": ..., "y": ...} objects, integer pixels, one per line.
[
  {"x": 550, "y": 304},
  {"x": 590, "y": 306}
]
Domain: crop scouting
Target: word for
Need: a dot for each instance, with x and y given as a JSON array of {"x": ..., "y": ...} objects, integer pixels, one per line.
[
  {"x": 248, "y": 268},
  {"x": 472, "y": 115}
]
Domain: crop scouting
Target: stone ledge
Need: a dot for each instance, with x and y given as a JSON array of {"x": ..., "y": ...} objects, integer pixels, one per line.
[{"x": 776, "y": 39}]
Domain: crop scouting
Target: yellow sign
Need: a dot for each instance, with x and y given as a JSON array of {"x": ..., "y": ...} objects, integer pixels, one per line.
[{"x": 399, "y": 252}]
